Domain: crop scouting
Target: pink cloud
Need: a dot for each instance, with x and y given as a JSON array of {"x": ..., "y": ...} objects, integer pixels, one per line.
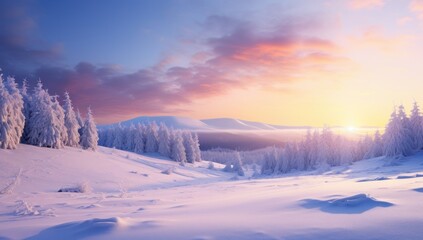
[
  {"x": 365, "y": 4},
  {"x": 404, "y": 20},
  {"x": 375, "y": 38},
  {"x": 416, "y": 6},
  {"x": 238, "y": 56}
]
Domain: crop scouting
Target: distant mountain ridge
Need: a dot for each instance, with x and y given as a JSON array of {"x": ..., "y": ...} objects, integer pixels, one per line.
[{"x": 213, "y": 124}]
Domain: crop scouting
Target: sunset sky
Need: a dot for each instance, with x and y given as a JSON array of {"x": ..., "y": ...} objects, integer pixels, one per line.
[{"x": 299, "y": 62}]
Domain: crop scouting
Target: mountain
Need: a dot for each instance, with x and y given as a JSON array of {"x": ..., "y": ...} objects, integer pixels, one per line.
[
  {"x": 207, "y": 124},
  {"x": 229, "y": 124},
  {"x": 170, "y": 121}
]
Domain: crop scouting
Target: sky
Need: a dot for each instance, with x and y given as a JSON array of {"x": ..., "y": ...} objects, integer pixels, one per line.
[{"x": 292, "y": 62}]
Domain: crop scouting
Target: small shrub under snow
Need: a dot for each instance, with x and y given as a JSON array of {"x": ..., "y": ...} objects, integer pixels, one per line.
[
  {"x": 83, "y": 187},
  {"x": 168, "y": 171}
]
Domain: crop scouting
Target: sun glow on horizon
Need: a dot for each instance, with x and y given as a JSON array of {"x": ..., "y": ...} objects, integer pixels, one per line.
[{"x": 351, "y": 128}]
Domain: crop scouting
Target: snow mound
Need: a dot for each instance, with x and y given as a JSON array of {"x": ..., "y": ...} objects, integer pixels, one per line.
[
  {"x": 80, "y": 230},
  {"x": 355, "y": 204}
]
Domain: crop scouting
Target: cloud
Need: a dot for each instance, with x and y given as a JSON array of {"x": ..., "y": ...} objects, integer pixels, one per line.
[
  {"x": 17, "y": 48},
  {"x": 365, "y": 4},
  {"x": 416, "y": 6},
  {"x": 236, "y": 54},
  {"x": 404, "y": 20},
  {"x": 375, "y": 38},
  {"x": 112, "y": 93}
]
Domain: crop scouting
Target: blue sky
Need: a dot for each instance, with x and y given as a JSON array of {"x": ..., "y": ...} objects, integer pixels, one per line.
[{"x": 297, "y": 62}]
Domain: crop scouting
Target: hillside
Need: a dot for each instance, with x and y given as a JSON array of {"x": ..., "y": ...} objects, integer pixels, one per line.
[{"x": 130, "y": 198}]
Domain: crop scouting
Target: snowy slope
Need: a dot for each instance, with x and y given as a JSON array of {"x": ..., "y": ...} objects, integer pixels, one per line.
[{"x": 132, "y": 199}]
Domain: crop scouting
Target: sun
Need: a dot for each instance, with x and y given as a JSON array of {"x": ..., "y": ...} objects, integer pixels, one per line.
[{"x": 351, "y": 129}]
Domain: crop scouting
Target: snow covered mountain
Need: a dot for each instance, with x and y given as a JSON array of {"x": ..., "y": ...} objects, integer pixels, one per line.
[
  {"x": 170, "y": 121},
  {"x": 131, "y": 196},
  {"x": 207, "y": 124}
]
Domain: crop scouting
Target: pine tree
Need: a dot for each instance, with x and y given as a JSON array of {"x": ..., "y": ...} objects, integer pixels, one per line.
[
  {"x": 5, "y": 127},
  {"x": 80, "y": 123},
  {"x": 377, "y": 146},
  {"x": 118, "y": 137},
  {"x": 270, "y": 162},
  {"x": 237, "y": 167},
  {"x": 325, "y": 156},
  {"x": 139, "y": 139},
  {"x": 151, "y": 142},
  {"x": 27, "y": 109},
  {"x": 189, "y": 146},
  {"x": 12, "y": 119},
  {"x": 177, "y": 148},
  {"x": 164, "y": 140},
  {"x": 60, "y": 119},
  {"x": 416, "y": 126},
  {"x": 395, "y": 139},
  {"x": 407, "y": 134},
  {"x": 43, "y": 122},
  {"x": 71, "y": 123},
  {"x": 129, "y": 138},
  {"x": 197, "y": 150},
  {"x": 89, "y": 138}
]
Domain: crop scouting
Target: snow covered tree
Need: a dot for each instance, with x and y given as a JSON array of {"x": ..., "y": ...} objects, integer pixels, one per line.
[
  {"x": 302, "y": 154},
  {"x": 80, "y": 122},
  {"x": 395, "y": 139},
  {"x": 71, "y": 123},
  {"x": 416, "y": 127},
  {"x": 44, "y": 125},
  {"x": 177, "y": 148},
  {"x": 60, "y": 121},
  {"x": 346, "y": 151},
  {"x": 89, "y": 138},
  {"x": 365, "y": 148},
  {"x": 325, "y": 155},
  {"x": 151, "y": 141},
  {"x": 237, "y": 166},
  {"x": 110, "y": 136},
  {"x": 189, "y": 146},
  {"x": 139, "y": 139},
  {"x": 12, "y": 119},
  {"x": 376, "y": 149},
  {"x": 129, "y": 138},
  {"x": 270, "y": 162},
  {"x": 197, "y": 150},
  {"x": 27, "y": 109},
  {"x": 407, "y": 135},
  {"x": 118, "y": 137},
  {"x": 164, "y": 140}
]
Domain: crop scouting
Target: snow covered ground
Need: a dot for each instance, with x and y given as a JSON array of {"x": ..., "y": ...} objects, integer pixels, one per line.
[{"x": 130, "y": 196}]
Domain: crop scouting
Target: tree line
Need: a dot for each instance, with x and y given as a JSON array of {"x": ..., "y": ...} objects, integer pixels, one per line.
[
  {"x": 180, "y": 146},
  {"x": 403, "y": 136},
  {"x": 37, "y": 118}
]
